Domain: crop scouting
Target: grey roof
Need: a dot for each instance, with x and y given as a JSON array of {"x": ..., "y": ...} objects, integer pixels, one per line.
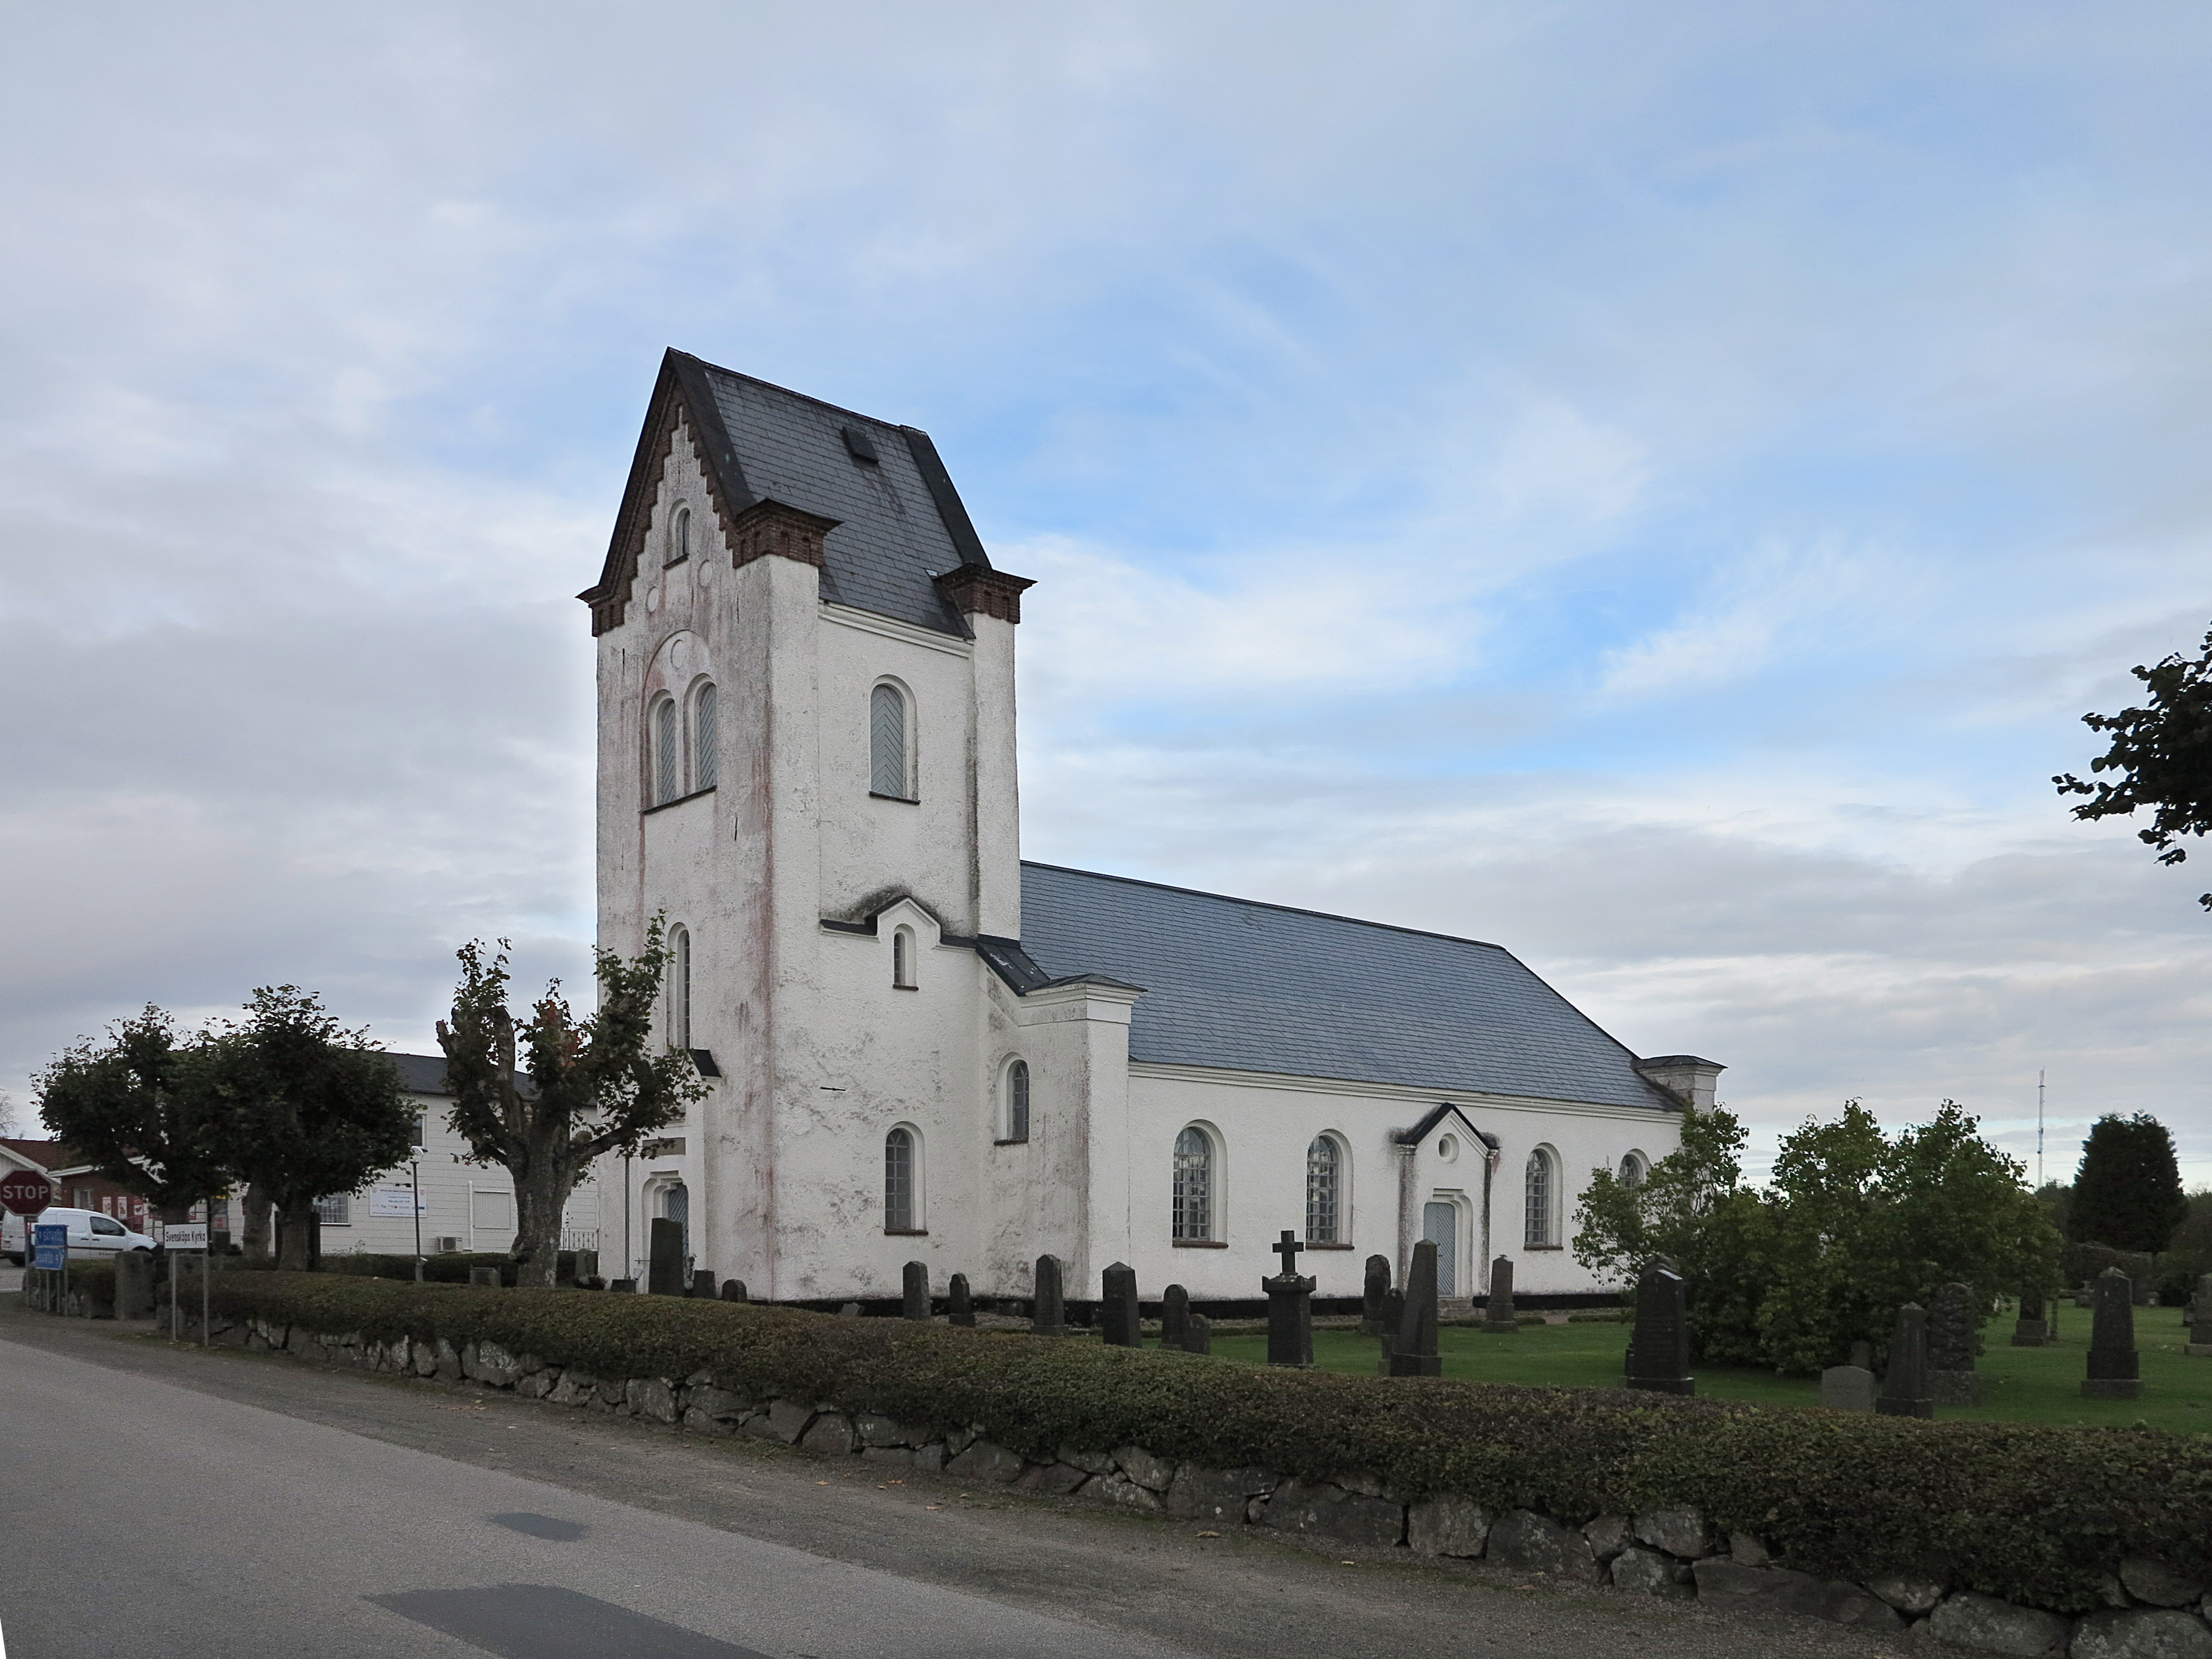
[
  {"x": 1260, "y": 987},
  {"x": 421, "y": 1074}
]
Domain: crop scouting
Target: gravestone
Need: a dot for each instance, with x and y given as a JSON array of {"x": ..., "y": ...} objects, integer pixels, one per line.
[
  {"x": 1048, "y": 1309},
  {"x": 1174, "y": 1317},
  {"x": 2198, "y": 1317},
  {"x": 1118, "y": 1308},
  {"x": 1289, "y": 1309},
  {"x": 1198, "y": 1337},
  {"x": 1659, "y": 1350},
  {"x": 134, "y": 1284},
  {"x": 1905, "y": 1390},
  {"x": 914, "y": 1302},
  {"x": 628, "y": 1285},
  {"x": 2115, "y": 1367},
  {"x": 484, "y": 1276},
  {"x": 587, "y": 1265},
  {"x": 664, "y": 1264},
  {"x": 1498, "y": 1309},
  {"x": 1847, "y": 1389},
  {"x": 1394, "y": 1316},
  {"x": 959, "y": 1302},
  {"x": 1377, "y": 1287},
  {"x": 1953, "y": 1341},
  {"x": 1414, "y": 1353},
  {"x": 733, "y": 1290},
  {"x": 702, "y": 1284},
  {"x": 2029, "y": 1329}
]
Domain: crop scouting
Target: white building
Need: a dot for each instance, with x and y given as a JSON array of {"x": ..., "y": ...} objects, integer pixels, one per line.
[{"x": 926, "y": 1048}]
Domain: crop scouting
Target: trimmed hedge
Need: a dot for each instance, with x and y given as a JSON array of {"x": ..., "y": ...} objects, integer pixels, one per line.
[
  {"x": 2033, "y": 1514},
  {"x": 450, "y": 1268}
]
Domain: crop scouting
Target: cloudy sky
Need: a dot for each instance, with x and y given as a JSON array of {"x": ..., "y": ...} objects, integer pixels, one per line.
[{"x": 1653, "y": 487}]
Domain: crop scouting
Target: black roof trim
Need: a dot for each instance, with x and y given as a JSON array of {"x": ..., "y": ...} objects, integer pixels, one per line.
[{"x": 950, "y": 508}]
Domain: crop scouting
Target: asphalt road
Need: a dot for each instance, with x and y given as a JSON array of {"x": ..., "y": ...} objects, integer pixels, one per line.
[{"x": 165, "y": 1503}]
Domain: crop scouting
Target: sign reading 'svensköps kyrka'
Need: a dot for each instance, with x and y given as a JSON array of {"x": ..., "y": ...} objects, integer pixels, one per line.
[{"x": 178, "y": 1236}]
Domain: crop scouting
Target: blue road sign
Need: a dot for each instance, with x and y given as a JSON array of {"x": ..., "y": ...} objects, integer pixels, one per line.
[{"x": 50, "y": 1246}]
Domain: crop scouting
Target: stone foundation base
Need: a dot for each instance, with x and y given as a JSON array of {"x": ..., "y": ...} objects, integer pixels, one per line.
[{"x": 2111, "y": 1387}]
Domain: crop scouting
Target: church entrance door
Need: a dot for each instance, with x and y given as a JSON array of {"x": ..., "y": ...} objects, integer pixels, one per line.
[
  {"x": 676, "y": 1206},
  {"x": 1440, "y": 1226}
]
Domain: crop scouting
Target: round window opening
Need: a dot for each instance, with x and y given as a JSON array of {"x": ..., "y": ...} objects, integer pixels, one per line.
[{"x": 1448, "y": 1148}]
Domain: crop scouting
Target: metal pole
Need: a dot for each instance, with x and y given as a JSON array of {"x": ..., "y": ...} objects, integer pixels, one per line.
[
  {"x": 627, "y": 1260},
  {"x": 207, "y": 1271},
  {"x": 415, "y": 1197}
]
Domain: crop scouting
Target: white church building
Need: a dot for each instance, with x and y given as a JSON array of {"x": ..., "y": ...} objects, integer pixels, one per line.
[{"x": 919, "y": 1046}]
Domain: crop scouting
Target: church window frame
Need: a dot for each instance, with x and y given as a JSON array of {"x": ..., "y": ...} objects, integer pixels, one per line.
[
  {"x": 1195, "y": 1213},
  {"x": 678, "y": 548},
  {"x": 705, "y": 735},
  {"x": 904, "y": 1188},
  {"x": 679, "y": 988},
  {"x": 902, "y": 960},
  {"x": 1015, "y": 1084},
  {"x": 664, "y": 745},
  {"x": 1329, "y": 1214},
  {"x": 893, "y": 771},
  {"x": 1541, "y": 1201},
  {"x": 1635, "y": 1169}
]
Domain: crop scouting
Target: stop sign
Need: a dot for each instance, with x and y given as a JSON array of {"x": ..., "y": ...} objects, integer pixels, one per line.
[{"x": 25, "y": 1192}]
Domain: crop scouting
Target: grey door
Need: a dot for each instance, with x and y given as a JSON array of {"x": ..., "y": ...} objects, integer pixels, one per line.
[
  {"x": 1440, "y": 1226},
  {"x": 676, "y": 1206}
]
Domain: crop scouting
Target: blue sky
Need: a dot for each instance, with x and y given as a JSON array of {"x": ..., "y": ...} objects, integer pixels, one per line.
[{"x": 1654, "y": 487}]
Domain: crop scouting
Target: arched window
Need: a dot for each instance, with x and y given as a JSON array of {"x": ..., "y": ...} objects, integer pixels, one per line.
[
  {"x": 1018, "y": 1100},
  {"x": 679, "y": 536},
  {"x": 1324, "y": 1176},
  {"x": 667, "y": 752},
  {"x": 887, "y": 772},
  {"x": 899, "y": 1184},
  {"x": 1194, "y": 1185},
  {"x": 903, "y": 958},
  {"x": 679, "y": 988},
  {"x": 705, "y": 712},
  {"x": 1633, "y": 1169},
  {"x": 1538, "y": 1232}
]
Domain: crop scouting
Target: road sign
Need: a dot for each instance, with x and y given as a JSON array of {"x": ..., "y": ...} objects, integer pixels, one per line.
[
  {"x": 50, "y": 1243},
  {"x": 179, "y": 1236},
  {"x": 25, "y": 1192}
]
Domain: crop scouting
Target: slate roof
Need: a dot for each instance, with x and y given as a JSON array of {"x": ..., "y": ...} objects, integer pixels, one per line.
[
  {"x": 421, "y": 1074},
  {"x": 900, "y": 520},
  {"x": 1259, "y": 987}
]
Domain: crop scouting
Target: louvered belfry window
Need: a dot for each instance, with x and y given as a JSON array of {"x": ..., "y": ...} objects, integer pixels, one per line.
[
  {"x": 887, "y": 742},
  {"x": 898, "y": 1181},
  {"x": 1194, "y": 1185},
  {"x": 667, "y": 752},
  {"x": 1321, "y": 1173},
  {"x": 704, "y": 715}
]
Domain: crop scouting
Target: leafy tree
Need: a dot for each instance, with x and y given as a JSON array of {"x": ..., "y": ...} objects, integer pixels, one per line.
[
  {"x": 2161, "y": 754},
  {"x": 126, "y": 1105},
  {"x": 303, "y": 1107},
  {"x": 1693, "y": 1208},
  {"x": 545, "y": 1097},
  {"x": 2128, "y": 1193}
]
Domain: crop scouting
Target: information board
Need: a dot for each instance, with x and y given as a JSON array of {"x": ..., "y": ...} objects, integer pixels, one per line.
[
  {"x": 50, "y": 1246},
  {"x": 182, "y": 1236},
  {"x": 393, "y": 1200}
]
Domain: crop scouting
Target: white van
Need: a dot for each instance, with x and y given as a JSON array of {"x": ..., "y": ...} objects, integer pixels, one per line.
[{"x": 91, "y": 1237}]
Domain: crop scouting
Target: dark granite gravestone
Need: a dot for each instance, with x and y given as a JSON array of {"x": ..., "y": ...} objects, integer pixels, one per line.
[
  {"x": 1659, "y": 1350},
  {"x": 1377, "y": 1287},
  {"x": 2198, "y": 1316},
  {"x": 1048, "y": 1309},
  {"x": 664, "y": 1262},
  {"x": 1394, "y": 1316},
  {"x": 702, "y": 1284},
  {"x": 1198, "y": 1338},
  {"x": 1953, "y": 1339},
  {"x": 1289, "y": 1309},
  {"x": 2029, "y": 1329},
  {"x": 733, "y": 1290},
  {"x": 484, "y": 1276},
  {"x": 1174, "y": 1317},
  {"x": 1414, "y": 1353},
  {"x": 588, "y": 1264},
  {"x": 1498, "y": 1309},
  {"x": 959, "y": 1302},
  {"x": 628, "y": 1285},
  {"x": 1117, "y": 1310},
  {"x": 2115, "y": 1367},
  {"x": 913, "y": 1299},
  {"x": 1847, "y": 1389},
  {"x": 1904, "y": 1389}
]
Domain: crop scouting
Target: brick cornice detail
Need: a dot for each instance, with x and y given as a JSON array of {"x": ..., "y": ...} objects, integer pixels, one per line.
[
  {"x": 980, "y": 591},
  {"x": 776, "y": 527}
]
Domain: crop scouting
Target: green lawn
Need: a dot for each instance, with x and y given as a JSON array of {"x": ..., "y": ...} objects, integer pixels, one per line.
[{"x": 2020, "y": 1385}]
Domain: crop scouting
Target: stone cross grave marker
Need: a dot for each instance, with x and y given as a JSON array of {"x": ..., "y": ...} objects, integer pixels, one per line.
[
  {"x": 1049, "y": 1308},
  {"x": 1953, "y": 1341},
  {"x": 1289, "y": 1309},
  {"x": 914, "y": 1301},
  {"x": 1371, "y": 1292},
  {"x": 1497, "y": 1311},
  {"x": 1659, "y": 1350},
  {"x": 1414, "y": 1353},
  {"x": 1174, "y": 1317},
  {"x": 664, "y": 1262},
  {"x": 2115, "y": 1367},
  {"x": 1119, "y": 1309},
  {"x": 2199, "y": 1315},
  {"x": 2030, "y": 1329},
  {"x": 960, "y": 1302},
  {"x": 1905, "y": 1390},
  {"x": 733, "y": 1290}
]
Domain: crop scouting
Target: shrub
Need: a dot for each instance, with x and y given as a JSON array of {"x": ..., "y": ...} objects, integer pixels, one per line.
[
  {"x": 450, "y": 1268},
  {"x": 2033, "y": 1514},
  {"x": 92, "y": 1280}
]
